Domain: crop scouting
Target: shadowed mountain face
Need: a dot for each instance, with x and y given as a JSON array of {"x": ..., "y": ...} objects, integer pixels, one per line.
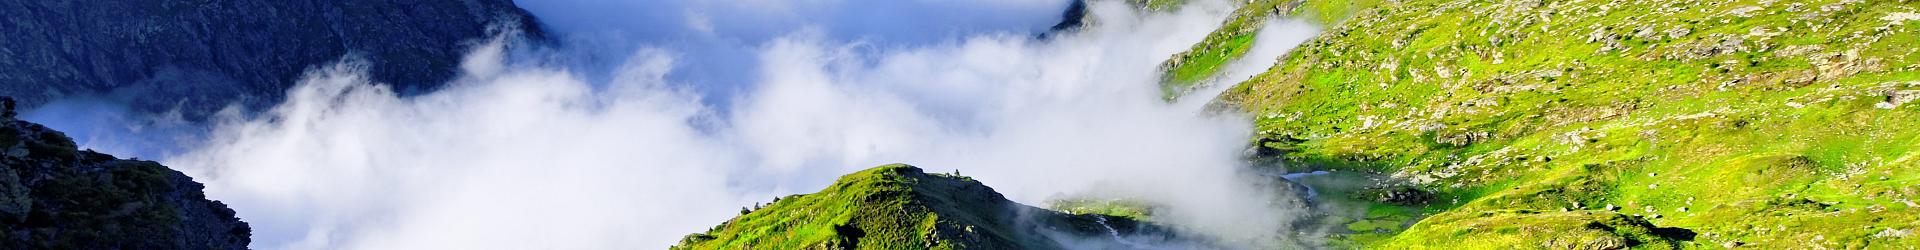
[
  {"x": 199, "y": 56},
  {"x": 53, "y": 196}
]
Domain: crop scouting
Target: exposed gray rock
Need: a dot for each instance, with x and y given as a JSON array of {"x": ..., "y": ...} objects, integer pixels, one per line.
[
  {"x": 1893, "y": 233},
  {"x": 1895, "y": 98}
]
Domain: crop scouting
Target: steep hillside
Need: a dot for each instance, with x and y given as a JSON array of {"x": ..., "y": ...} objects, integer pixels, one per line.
[
  {"x": 1725, "y": 123},
  {"x": 202, "y": 55},
  {"x": 1183, "y": 72},
  {"x": 1229, "y": 42},
  {"x": 53, "y": 196},
  {"x": 900, "y": 207}
]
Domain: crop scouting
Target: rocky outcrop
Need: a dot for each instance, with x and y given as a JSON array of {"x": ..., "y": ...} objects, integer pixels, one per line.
[
  {"x": 1071, "y": 20},
  {"x": 199, "y": 56},
  {"x": 54, "y": 196}
]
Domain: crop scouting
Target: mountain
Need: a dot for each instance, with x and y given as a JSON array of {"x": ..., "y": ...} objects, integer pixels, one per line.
[
  {"x": 1235, "y": 37},
  {"x": 201, "y": 55},
  {"x": 1184, "y": 72},
  {"x": 53, "y": 196},
  {"x": 1770, "y": 124},
  {"x": 899, "y": 206}
]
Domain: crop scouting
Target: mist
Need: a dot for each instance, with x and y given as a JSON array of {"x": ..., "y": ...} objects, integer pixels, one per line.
[{"x": 639, "y": 129}]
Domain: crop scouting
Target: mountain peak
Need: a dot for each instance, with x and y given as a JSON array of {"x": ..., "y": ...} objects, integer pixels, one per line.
[{"x": 899, "y": 206}]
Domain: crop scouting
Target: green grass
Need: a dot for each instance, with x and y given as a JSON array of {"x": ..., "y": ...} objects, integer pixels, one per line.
[
  {"x": 1235, "y": 36},
  {"x": 1651, "y": 106},
  {"x": 1157, "y": 4},
  {"x": 1205, "y": 62},
  {"x": 1544, "y": 230},
  {"x": 1227, "y": 43},
  {"x": 1119, "y": 208},
  {"x": 1332, "y": 12},
  {"x": 889, "y": 207}
]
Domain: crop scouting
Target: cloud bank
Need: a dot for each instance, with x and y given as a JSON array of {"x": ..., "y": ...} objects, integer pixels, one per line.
[{"x": 531, "y": 149}]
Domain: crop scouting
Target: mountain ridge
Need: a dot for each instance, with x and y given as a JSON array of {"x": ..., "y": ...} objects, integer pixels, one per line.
[
  {"x": 898, "y": 206},
  {"x": 53, "y": 196},
  {"x": 200, "y": 56}
]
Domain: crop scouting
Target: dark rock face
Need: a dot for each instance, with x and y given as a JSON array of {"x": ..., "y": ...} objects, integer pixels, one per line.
[
  {"x": 1074, "y": 18},
  {"x": 201, "y": 55},
  {"x": 54, "y": 196}
]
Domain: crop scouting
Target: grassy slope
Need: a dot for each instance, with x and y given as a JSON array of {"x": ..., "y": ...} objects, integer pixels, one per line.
[
  {"x": 1766, "y": 123},
  {"x": 1230, "y": 41},
  {"x": 900, "y": 207},
  {"x": 1117, "y": 208},
  {"x": 1236, "y": 36},
  {"x": 881, "y": 203},
  {"x": 1157, "y": 4}
]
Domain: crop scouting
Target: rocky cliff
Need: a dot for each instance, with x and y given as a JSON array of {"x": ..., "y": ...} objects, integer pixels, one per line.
[
  {"x": 202, "y": 55},
  {"x": 54, "y": 196}
]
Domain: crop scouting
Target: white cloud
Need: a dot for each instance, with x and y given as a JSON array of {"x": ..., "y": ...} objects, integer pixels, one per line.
[{"x": 531, "y": 155}]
